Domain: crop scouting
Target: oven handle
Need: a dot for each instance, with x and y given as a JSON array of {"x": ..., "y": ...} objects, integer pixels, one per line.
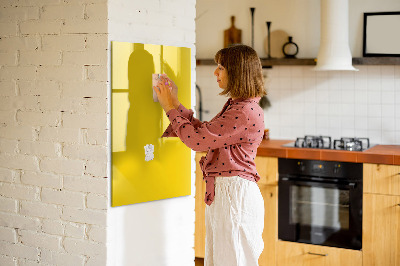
[{"x": 297, "y": 181}]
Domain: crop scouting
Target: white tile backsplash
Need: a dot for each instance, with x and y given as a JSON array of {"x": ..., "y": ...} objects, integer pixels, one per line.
[{"x": 364, "y": 103}]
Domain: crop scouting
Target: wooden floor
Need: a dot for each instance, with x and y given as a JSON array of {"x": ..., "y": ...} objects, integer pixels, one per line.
[{"x": 199, "y": 262}]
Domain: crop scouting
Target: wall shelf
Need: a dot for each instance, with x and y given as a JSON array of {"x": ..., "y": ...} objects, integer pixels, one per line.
[{"x": 312, "y": 61}]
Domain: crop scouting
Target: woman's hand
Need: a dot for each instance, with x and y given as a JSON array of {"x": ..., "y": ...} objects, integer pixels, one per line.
[
  {"x": 174, "y": 89},
  {"x": 164, "y": 94}
]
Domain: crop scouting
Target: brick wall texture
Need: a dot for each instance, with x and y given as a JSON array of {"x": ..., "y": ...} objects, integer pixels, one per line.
[{"x": 53, "y": 132}]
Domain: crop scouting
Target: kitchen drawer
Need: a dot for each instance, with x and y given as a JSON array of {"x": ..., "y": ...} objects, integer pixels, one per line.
[
  {"x": 267, "y": 168},
  {"x": 298, "y": 254},
  {"x": 381, "y": 179}
]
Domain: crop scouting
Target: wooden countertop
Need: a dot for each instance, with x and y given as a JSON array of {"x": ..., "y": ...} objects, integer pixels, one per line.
[{"x": 379, "y": 154}]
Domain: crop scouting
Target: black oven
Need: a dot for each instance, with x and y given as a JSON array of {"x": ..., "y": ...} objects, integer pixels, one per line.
[{"x": 320, "y": 202}]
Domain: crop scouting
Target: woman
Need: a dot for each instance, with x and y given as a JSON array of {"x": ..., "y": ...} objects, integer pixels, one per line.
[{"x": 235, "y": 207}]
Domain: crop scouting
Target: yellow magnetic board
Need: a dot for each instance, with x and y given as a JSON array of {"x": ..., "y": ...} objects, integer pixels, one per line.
[{"x": 137, "y": 121}]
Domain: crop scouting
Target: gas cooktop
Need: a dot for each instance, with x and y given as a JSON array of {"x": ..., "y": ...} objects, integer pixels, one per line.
[{"x": 325, "y": 142}]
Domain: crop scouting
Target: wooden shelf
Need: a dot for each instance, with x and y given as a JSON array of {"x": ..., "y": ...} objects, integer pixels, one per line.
[{"x": 312, "y": 61}]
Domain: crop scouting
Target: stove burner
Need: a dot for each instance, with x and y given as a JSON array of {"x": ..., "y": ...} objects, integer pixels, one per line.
[
  {"x": 351, "y": 144},
  {"x": 308, "y": 141}
]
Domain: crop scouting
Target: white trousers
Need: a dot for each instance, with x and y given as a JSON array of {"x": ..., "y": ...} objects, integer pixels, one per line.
[{"x": 234, "y": 223}]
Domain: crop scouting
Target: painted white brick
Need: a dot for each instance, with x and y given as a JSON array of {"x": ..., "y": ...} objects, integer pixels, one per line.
[
  {"x": 40, "y": 148},
  {"x": 60, "y": 73},
  {"x": 96, "y": 168},
  {"x": 84, "y": 26},
  {"x": 62, "y": 12},
  {"x": 8, "y": 58},
  {"x": 97, "y": 234},
  {"x": 62, "y": 166},
  {"x": 85, "y": 152},
  {"x": 98, "y": 42},
  {"x": 97, "y": 11},
  {"x": 39, "y": 118},
  {"x": 26, "y": 262},
  {"x": 87, "y": 88},
  {"x": 55, "y": 103},
  {"x": 7, "y": 175},
  {"x": 94, "y": 201},
  {"x": 97, "y": 73},
  {"x": 85, "y": 121},
  {"x": 75, "y": 230},
  {"x": 8, "y": 205},
  {"x": 41, "y": 179},
  {"x": 17, "y": 191},
  {"x": 41, "y": 210},
  {"x": 7, "y": 117},
  {"x": 97, "y": 260},
  {"x": 88, "y": 57},
  {"x": 96, "y": 137},
  {"x": 8, "y": 261},
  {"x": 18, "y": 72},
  {"x": 7, "y": 88},
  {"x": 17, "y": 161},
  {"x": 84, "y": 247},
  {"x": 40, "y": 27},
  {"x": 19, "y": 43},
  {"x": 57, "y": 134},
  {"x": 86, "y": 184},
  {"x": 17, "y": 132},
  {"x": 19, "y": 13},
  {"x": 26, "y": 103},
  {"x": 35, "y": 239},
  {"x": 63, "y": 197},
  {"x": 19, "y": 251},
  {"x": 19, "y": 221},
  {"x": 61, "y": 259},
  {"x": 67, "y": 42},
  {"x": 39, "y": 87},
  {"x": 40, "y": 58},
  {"x": 8, "y": 234},
  {"x": 8, "y": 146},
  {"x": 84, "y": 216},
  {"x": 53, "y": 227},
  {"x": 34, "y": 2}
]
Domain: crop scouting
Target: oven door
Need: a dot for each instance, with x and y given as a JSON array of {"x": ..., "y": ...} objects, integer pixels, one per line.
[{"x": 321, "y": 212}]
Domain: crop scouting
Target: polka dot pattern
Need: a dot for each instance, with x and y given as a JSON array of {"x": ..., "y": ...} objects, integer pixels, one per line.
[{"x": 231, "y": 139}]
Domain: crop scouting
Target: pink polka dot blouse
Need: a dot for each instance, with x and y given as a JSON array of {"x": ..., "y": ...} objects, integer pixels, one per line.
[{"x": 231, "y": 139}]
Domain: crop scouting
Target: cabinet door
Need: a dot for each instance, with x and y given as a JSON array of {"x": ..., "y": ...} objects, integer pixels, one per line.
[
  {"x": 297, "y": 254},
  {"x": 270, "y": 233},
  {"x": 267, "y": 168},
  {"x": 200, "y": 207},
  {"x": 381, "y": 179},
  {"x": 381, "y": 230}
]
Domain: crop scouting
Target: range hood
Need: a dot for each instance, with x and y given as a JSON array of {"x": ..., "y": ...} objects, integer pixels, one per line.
[{"x": 334, "y": 51}]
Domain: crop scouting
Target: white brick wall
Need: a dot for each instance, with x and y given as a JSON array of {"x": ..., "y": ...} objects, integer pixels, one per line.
[{"x": 53, "y": 121}]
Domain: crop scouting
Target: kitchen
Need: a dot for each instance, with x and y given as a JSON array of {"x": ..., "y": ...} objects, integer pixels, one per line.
[{"x": 304, "y": 102}]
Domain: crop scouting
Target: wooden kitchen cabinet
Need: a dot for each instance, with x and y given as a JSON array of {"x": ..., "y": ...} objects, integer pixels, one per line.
[
  {"x": 381, "y": 230},
  {"x": 200, "y": 207},
  {"x": 267, "y": 167},
  {"x": 298, "y": 254},
  {"x": 381, "y": 215},
  {"x": 381, "y": 179},
  {"x": 270, "y": 233}
]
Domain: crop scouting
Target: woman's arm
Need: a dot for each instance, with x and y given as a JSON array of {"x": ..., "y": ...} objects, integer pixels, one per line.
[{"x": 223, "y": 131}]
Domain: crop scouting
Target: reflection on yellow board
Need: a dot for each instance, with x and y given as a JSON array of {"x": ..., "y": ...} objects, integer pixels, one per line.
[{"x": 138, "y": 121}]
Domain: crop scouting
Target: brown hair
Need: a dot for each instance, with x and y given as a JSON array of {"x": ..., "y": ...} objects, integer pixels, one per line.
[{"x": 245, "y": 78}]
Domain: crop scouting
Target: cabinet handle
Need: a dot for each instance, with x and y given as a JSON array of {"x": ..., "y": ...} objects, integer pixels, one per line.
[{"x": 318, "y": 254}]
